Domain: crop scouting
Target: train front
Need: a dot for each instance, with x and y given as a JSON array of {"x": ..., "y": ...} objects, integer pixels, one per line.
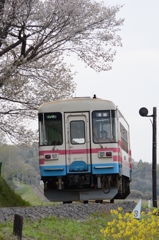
[{"x": 80, "y": 151}]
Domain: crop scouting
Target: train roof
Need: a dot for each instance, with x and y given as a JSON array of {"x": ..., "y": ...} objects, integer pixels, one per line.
[{"x": 77, "y": 104}]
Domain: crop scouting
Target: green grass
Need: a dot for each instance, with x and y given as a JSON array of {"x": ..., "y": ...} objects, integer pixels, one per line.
[
  {"x": 8, "y": 198},
  {"x": 27, "y": 193},
  {"x": 62, "y": 229},
  {"x": 59, "y": 229}
]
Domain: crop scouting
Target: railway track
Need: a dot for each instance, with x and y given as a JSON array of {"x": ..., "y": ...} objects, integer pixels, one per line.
[{"x": 75, "y": 211}]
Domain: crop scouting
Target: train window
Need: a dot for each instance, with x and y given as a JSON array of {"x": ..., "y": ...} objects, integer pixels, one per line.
[
  {"x": 103, "y": 126},
  {"x": 77, "y": 132},
  {"x": 124, "y": 138},
  {"x": 113, "y": 121},
  {"x": 41, "y": 132},
  {"x": 124, "y": 130},
  {"x": 50, "y": 127}
]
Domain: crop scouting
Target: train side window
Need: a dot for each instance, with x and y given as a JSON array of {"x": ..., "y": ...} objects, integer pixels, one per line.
[
  {"x": 124, "y": 138},
  {"x": 124, "y": 131},
  {"x": 77, "y": 132}
]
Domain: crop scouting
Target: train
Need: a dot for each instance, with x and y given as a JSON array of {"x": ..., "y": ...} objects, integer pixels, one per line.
[{"x": 84, "y": 150}]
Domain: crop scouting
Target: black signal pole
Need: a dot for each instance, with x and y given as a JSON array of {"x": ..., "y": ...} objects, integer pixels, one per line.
[
  {"x": 144, "y": 113},
  {"x": 154, "y": 157}
]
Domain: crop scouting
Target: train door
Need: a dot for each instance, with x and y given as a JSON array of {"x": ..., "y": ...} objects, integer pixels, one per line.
[{"x": 77, "y": 142}]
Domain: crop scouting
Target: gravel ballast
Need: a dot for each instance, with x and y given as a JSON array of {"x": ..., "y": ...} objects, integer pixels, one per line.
[{"x": 75, "y": 211}]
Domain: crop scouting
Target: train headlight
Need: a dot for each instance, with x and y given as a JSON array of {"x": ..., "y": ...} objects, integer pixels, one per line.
[{"x": 55, "y": 156}]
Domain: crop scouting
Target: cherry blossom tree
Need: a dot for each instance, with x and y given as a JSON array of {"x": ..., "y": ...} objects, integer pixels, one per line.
[{"x": 35, "y": 37}]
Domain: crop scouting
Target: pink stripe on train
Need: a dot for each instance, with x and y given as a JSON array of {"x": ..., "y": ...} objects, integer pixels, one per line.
[{"x": 77, "y": 151}]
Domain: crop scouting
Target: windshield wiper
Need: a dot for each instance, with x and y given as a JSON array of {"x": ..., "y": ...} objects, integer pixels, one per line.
[{"x": 97, "y": 140}]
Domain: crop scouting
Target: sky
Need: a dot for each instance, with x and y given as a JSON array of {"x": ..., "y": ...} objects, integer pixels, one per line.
[{"x": 133, "y": 81}]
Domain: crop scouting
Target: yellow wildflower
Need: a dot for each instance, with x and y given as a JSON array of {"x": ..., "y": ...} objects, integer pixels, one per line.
[{"x": 120, "y": 209}]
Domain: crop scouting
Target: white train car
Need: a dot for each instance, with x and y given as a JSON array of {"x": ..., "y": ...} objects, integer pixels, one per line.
[{"x": 84, "y": 150}]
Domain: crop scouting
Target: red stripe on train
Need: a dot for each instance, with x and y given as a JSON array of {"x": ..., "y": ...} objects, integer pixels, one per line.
[
  {"x": 96, "y": 150},
  {"x": 41, "y": 161},
  {"x": 77, "y": 151},
  {"x": 115, "y": 158}
]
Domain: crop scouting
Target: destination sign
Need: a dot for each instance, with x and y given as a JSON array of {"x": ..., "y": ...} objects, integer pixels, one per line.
[{"x": 51, "y": 116}]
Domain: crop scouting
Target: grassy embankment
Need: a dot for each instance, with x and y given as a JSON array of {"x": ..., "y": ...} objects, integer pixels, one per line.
[
  {"x": 8, "y": 198},
  {"x": 105, "y": 225},
  {"x": 27, "y": 193}
]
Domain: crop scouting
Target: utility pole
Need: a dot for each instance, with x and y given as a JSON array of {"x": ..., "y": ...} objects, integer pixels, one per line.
[
  {"x": 154, "y": 158},
  {"x": 144, "y": 113}
]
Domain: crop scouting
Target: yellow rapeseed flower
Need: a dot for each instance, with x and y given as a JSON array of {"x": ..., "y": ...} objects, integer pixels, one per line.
[
  {"x": 116, "y": 212},
  {"x": 112, "y": 230},
  {"x": 120, "y": 209},
  {"x": 120, "y": 216},
  {"x": 124, "y": 226},
  {"x": 155, "y": 211}
]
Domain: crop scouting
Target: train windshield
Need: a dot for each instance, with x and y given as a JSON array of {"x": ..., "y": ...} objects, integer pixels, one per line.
[
  {"x": 50, "y": 129},
  {"x": 104, "y": 126}
]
